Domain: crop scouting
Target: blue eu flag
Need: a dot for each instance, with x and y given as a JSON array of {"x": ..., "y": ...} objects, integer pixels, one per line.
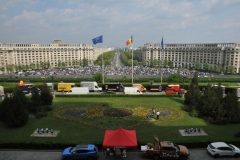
[
  {"x": 97, "y": 40},
  {"x": 162, "y": 43}
]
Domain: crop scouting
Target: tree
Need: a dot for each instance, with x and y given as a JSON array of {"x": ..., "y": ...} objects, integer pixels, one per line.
[
  {"x": 46, "y": 96},
  {"x": 175, "y": 78},
  {"x": 85, "y": 62},
  {"x": 232, "y": 107},
  {"x": 98, "y": 77},
  {"x": 2, "y": 69},
  {"x": 197, "y": 65},
  {"x": 193, "y": 95},
  {"x": 211, "y": 106},
  {"x": 231, "y": 69},
  {"x": 35, "y": 102},
  {"x": 13, "y": 111}
]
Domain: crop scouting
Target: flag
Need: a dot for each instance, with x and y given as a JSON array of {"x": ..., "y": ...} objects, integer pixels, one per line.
[
  {"x": 162, "y": 43},
  {"x": 97, "y": 40},
  {"x": 129, "y": 41}
]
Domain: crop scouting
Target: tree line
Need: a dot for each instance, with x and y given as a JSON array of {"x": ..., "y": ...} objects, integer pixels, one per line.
[
  {"x": 16, "y": 107},
  {"x": 212, "y": 104}
]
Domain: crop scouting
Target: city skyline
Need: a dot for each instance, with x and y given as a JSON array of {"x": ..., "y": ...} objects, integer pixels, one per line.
[{"x": 78, "y": 22}]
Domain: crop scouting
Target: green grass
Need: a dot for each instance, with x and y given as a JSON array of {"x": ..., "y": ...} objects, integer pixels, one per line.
[{"x": 74, "y": 131}]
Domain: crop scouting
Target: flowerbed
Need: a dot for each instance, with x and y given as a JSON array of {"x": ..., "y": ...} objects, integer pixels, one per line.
[{"x": 103, "y": 117}]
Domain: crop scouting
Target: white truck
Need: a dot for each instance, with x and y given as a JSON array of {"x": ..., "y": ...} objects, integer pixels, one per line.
[
  {"x": 79, "y": 90},
  {"x": 238, "y": 93},
  {"x": 92, "y": 85},
  {"x": 131, "y": 90}
]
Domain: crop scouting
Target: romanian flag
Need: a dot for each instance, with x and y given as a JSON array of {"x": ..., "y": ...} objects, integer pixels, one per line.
[{"x": 129, "y": 41}]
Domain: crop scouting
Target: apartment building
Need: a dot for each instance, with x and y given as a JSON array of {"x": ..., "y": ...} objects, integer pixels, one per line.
[
  {"x": 18, "y": 54},
  {"x": 182, "y": 55}
]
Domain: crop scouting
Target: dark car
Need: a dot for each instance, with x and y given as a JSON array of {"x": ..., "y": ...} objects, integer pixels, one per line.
[
  {"x": 108, "y": 92},
  {"x": 81, "y": 151}
]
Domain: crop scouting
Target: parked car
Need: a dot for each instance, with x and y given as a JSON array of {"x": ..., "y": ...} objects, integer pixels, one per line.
[
  {"x": 109, "y": 92},
  {"x": 81, "y": 151},
  {"x": 218, "y": 149}
]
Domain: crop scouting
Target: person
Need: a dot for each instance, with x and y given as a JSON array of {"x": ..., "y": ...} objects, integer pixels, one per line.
[
  {"x": 152, "y": 112},
  {"x": 62, "y": 91},
  {"x": 157, "y": 113},
  {"x": 124, "y": 153},
  {"x": 107, "y": 152}
]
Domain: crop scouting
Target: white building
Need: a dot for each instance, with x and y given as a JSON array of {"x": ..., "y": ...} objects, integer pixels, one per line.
[
  {"x": 181, "y": 55},
  {"x": 18, "y": 54}
]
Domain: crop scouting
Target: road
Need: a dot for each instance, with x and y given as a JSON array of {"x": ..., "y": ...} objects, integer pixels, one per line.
[{"x": 196, "y": 154}]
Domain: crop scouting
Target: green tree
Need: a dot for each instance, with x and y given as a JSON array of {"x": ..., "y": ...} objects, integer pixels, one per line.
[
  {"x": 46, "y": 96},
  {"x": 206, "y": 67},
  {"x": 2, "y": 69},
  {"x": 175, "y": 78},
  {"x": 231, "y": 69},
  {"x": 36, "y": 101},
  {"x": 98, "y": 77},
  {"x": 15, "y": 113},
  {"x": 211, "y": 106},
  {"x": 232, "y": 107},
  {"x": 85, "y": 62},
  {"x": 193, "y": 95},
  {"x": 197, "y": 65}
]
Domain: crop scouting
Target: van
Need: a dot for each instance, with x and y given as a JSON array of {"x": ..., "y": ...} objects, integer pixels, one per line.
[
  {"x": 27, "y": 88},
  {"x": 79, "y": 90},
  {"x": 140, "y": 87},
  {"x": 131, "y": 90},
  {"x": 93, "y": 86},
  {"x": 113, "y": 86},
  {"x": 66, "y": 87}
]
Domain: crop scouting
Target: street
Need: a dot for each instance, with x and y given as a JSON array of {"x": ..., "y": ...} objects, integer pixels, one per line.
[{"x": 195, "y": 154}]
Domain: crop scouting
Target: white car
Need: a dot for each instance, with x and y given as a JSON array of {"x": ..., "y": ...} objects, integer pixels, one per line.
[{"x": 218, "y": 149}]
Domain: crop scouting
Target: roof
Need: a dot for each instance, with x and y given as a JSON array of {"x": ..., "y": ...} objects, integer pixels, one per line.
[
  {"x": 219, "y": 144},
  {"x": 120, "y": 138},
  {"x": 166, "y": 144}
]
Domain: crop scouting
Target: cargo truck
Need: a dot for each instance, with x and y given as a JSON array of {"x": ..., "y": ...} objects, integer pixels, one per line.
[
  {"x": 140, "y": 87},
  {"x": 165, "y": 150},
  {"x": 155, "y": 87},
  {"x": 65, "y": 87},
  {"x": 113, "y": 86},
  {"x": 93, "y": 86},
  {"x": 131, "y": 90},
  {"x": 79, "y": 90}
]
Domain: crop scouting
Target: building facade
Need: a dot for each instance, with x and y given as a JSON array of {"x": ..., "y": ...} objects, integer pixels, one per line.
[
  {"x": 52, "y": 55},
  {"x": 183, "y": 55}
]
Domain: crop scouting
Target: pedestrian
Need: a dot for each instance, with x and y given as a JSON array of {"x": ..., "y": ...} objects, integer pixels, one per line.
[
  {"x": 157, "y": 113},
  {"x": 107, "y": 152},
  {"x": 124, "y": 153},
  {"x": 62, "y": 91}
]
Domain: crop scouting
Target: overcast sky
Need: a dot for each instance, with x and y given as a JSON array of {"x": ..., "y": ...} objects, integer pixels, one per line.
[{"x": 79, "y": 21}]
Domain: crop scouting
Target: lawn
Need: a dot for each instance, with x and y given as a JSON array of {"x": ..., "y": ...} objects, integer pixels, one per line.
[{"x": 84, "y": 120}]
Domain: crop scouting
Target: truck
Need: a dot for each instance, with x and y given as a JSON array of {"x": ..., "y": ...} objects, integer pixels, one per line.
[
  {"x": 51, "y": 87},
  {"x": 27, "y": 88},
  {"x": 140, "y": 87},
  {"x": 93, "y": 86},
  {"x": 165, "y": 150},
  {"x": 238, "y": 93},
  {"x": 113, "y": 86},
  {"x": 65, "y": 87},
  {"x": 175, "y": 89},
  {"x": 155, "y": 87},
  {"x": 1, "y": 92},
  {"x": 131, "y": 90},
  {"x": 79, "y": 90}
]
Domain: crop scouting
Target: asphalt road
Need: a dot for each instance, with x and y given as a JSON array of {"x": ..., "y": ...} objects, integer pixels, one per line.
[{"x": 195, "y": 154}]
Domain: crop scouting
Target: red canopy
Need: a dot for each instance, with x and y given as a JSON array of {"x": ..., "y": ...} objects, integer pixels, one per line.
[{"x": 120, "y": 138}]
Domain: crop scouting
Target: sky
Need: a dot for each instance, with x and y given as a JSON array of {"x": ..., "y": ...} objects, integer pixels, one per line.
[{"x": 79, "y": 21}]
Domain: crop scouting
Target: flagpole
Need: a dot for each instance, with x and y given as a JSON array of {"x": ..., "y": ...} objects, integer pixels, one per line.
[
  {"x": 102, "y": 68},
  {"x": 102, "y": 64},
  {"x": 132, "y": 63}
]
